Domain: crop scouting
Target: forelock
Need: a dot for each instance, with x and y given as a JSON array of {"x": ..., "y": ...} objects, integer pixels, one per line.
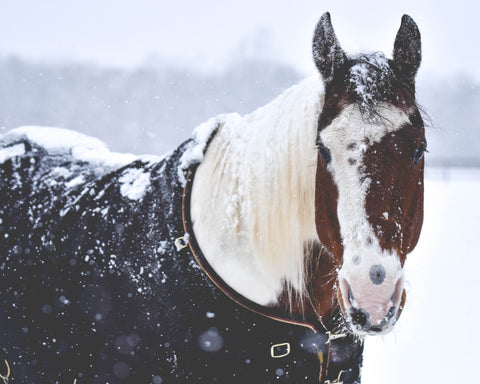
[{"x": 370, "y": 80}]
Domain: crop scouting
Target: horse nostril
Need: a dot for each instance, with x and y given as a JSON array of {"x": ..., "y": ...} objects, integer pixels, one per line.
[
  {"x": 359, "y": 317},
  {"x": 397, "y": 293},
  {"x": 350, "y": 295},
  {"x": 391, "y": 313}
]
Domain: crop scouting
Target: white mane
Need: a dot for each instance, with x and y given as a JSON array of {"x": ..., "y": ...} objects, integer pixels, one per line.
[{"x": 253, "y": 198}]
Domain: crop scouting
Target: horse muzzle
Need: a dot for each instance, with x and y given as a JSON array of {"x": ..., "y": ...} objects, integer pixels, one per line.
[{"x": 371, "y": 304}]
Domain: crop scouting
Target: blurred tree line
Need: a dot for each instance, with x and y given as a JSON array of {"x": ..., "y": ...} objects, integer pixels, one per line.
[{"x": 154, "y": 108}]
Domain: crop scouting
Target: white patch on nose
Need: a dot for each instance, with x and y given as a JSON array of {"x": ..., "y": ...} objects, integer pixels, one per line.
[
  {"x": 375, "y": 285},
  {"x": 378, "y": 270}
]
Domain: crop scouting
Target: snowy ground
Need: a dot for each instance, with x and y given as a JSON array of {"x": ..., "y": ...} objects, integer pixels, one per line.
[{"x": 436, "y": 339}]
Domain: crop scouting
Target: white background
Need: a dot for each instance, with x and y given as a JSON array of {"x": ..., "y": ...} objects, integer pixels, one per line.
[{"x": 209, "y": 34}]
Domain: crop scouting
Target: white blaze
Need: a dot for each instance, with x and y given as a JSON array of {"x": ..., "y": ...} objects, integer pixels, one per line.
[{"x": 348, "y": 137}]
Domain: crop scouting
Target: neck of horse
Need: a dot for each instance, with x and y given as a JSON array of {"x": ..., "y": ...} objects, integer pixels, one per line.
[{"x": 253, "y": 202}]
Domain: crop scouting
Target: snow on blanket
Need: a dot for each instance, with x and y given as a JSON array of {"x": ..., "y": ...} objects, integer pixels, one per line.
[{"x": 81, "y": 148}]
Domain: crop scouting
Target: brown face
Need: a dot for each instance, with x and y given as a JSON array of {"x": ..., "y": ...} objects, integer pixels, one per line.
[
  {"x": 394, "y": 201},
  {"x": 369, "y": 186},
  {"x": 369, "y": 208}
]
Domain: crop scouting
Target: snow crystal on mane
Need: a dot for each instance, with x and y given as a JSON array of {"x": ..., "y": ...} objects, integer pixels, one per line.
[
  {"x": 369, "y": 79},
  {"x": 201, "y": 136}
]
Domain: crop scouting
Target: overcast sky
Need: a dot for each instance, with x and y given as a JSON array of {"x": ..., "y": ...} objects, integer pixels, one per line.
[{"x": 209, "y": 34}]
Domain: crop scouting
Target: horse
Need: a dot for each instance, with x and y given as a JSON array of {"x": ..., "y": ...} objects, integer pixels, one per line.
[{"x": 263, "y": 249}]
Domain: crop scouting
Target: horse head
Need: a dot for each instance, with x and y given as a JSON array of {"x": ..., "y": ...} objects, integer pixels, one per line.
[{"x": 369, "y": 180}]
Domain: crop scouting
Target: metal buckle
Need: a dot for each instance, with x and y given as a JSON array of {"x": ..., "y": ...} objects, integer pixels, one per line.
[
  {"x": 337, "y": 381},
  {"x": 7, "y": 374},
  {"x": 334, "y": 336},
  {"x": 182, "y": 242},
  {"x": 280, "y": 350}
]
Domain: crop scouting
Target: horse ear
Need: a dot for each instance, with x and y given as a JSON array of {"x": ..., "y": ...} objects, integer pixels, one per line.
[
  {"x": 407, "y": 50},
  {"x": 327, "y": 52}
]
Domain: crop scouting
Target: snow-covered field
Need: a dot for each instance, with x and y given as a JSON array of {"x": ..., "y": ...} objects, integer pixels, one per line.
[{"x": 437, "y": 339}]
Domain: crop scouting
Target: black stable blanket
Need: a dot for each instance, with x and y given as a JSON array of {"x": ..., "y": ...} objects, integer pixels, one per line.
[{"x": 94, "y": 290}]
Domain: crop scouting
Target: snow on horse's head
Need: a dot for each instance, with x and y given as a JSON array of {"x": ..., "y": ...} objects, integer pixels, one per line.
[{"x": 314, "y": 201}]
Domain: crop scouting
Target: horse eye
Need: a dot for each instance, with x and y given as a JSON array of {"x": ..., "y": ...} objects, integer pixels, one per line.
[
  {"x": 324, "y": 152},
  {"x": 419, "y": 153}
]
